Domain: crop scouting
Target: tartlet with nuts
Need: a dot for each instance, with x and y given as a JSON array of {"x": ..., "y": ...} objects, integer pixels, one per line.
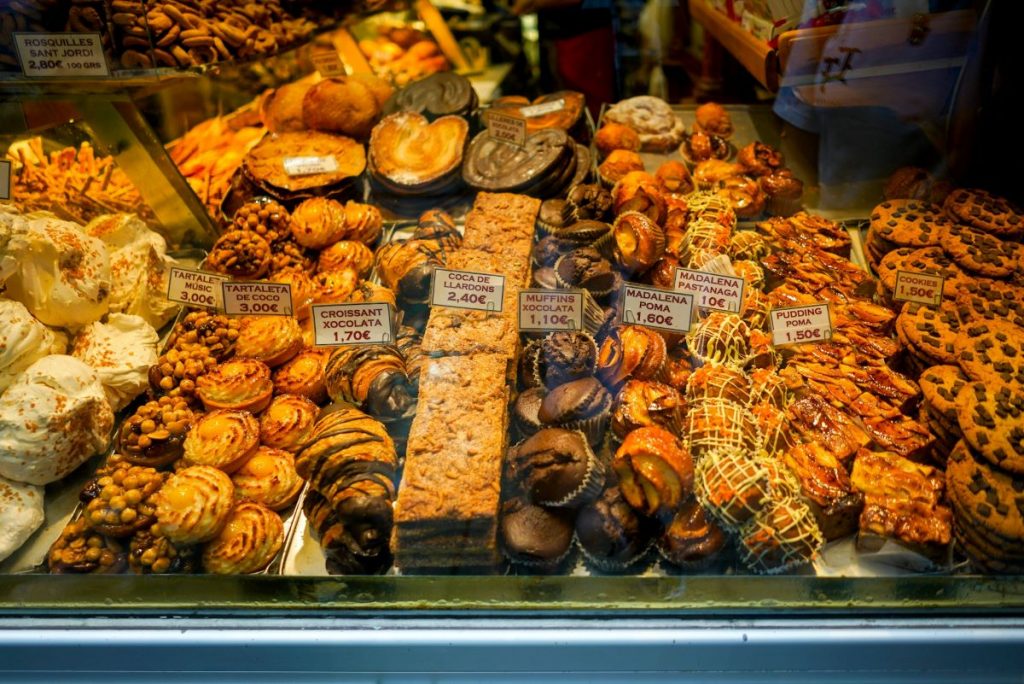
[
  {"x": 151, "y": 553},
  {"x": 153, "y": 435},
  {"x": 241, "y": 254},
  {"x": 121, "y": 502},
  {"x": 177, "y": 370},
  {"x": 216, "y": 332},
  {"x": 267, "y": 218},
  {"x": 81, "y": 550}
]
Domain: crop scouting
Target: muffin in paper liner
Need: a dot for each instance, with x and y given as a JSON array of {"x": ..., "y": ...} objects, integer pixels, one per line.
[
  {"x": 593, "y": 428},
  {"x": 553, "y": 215},
  {"x": 783, "y": 536},
  {"x": 596, "y": 292},
  {"x": 692, "y": 541},
  {"x": 565, "y": 356},
  {"x": 631, "y": 352},
  {"x": 544, "y": 467},
  {"x": 610, "y": 534},
  {"x": 630, "y": 566},
  {"x": 732, "y": 485},
  {"x": 532, "y": 535}
]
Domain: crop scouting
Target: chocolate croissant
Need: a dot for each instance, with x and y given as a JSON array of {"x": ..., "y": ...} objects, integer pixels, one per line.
[
  {"x": 354, "y": 536},
  {"x": 407, "y": 267},
  {"x": 344, "y": 443},
  {"x": 372, "y": 377}
]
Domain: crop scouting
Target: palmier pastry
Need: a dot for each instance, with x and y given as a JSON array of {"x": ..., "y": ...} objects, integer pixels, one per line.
[
  {"x": 639, "y": 191},
  {"x": 268, "y": 478},
  {"x": 646, "y": 403},
  {"x": 759, "y": 159},
  {"x": 80, "y": 550},
  {"x": 120, "y": 502},
  {"x": 543, "y": 167},
  {"x": 630, "y": 351},
  {"x": 347, "y": 254},
  {"x": 194, "y": 504},
  {"x": 302, "y": 290},
  {"x": 334, "y": 287},
  {"x": 288, "y": 422},
  {"x": 240, "y": 254},
  {"x": 268, "y": 219},
  {"x": 153, "y": 435},
  {"x": 615, "y": 136},
  {"x": 659, "y": 128},
  {"x": 242, "y": 384},
  {"x": 617, "y": 165},
  {"x": 342, "y": 105},
  {"x": 247, "y": 543},
  {"x": 372, "y": 377},
  {"x": 176, "y": 371},
  {"x": 318, "y": 222},
  {"x": 655, "y": 471},
  {"x": 270, "y": 339},
  {"x": 303, "y": 375},
  {"x": 638, "y": 241},
  {"x": 713, "y": 118},
  {"x": 216, "y": 332},
  {"x": 223, "y": 439},
  {"x": 264, "y": 162},
  {"x": 674, "y": 177},
  {"x": 363, "y": 223},
  {"x": 409, "y": 152},
  {"x": 151, "y": 553}
]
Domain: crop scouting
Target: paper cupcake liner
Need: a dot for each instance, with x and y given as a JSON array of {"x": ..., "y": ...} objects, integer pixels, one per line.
[
  {"x": 565, "y": 285},
  {"x": 688, "y": 566},
  {"x": 546, "y": 566},
  {"x": 612, "y": 566},
  {"x": 783, "y": 206},
  {"x": 593, "y": 428},
  {"x": 589, "y": 489},
  {"x": 605, "y": 246},
  {"x": 593, "y": 315}
]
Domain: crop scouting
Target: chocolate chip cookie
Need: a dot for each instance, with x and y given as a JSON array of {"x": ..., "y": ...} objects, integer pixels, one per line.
[
  {"x": 906, "y": 223},
  {"x": 985, "y": 211},
  {"x": 991, "y": 351},
  {"x": 940, "y": 386},
  {"x": 991, "y": 417},
  {"x": 929, "y": 333},
  {"x": 978, "y": 252},
  {"x": 991, "y": 300}
]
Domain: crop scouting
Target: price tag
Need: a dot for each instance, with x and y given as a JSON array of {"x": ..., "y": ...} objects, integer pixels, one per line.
[
  {"x": 467, "y": 290},
  {"x": 531, "y": 111},
  {"x": 335, "y": 325},
  {"x": 195, "y": 288},
  {"x": 257, "y": 299},
  {"x": 655, "y": 308},
  {"x": 55, "y": 55},
  {"x": 712, "y": 290},
  {"x": 923, "y": 288},
  {"x": 5, "y": 180},
  {"x": 328, "y": 64},
  {"x": 548, "y": 310},
  {"x": 510, "y": 129},
  {"x": 307, "y": 166},
  {"x": 799, "y": 324}
]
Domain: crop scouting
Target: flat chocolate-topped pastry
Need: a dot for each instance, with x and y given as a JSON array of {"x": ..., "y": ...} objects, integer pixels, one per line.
[
  {"x": 439, "y": 94},
  {"x": 495, "y": 166},
  {"x": 265, "y": 166}
]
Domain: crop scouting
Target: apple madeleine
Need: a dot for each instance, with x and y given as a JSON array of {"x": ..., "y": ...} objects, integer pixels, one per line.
[
  {"x": 241, "y": 384},
  {"x": 303, "y": 375},
  {"x": 270, "y": 339},
  {"x": 223, "y": 439},
  {"x": 655, "y": 471},
  {"x": 247, "y": 543},
  {"x": 194, "y": 504},
  {"x": 269, "y": 478},
  {"x": 288, "y": 422}
]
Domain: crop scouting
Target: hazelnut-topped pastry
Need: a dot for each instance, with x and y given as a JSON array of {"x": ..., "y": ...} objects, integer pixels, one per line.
[
  {"x": 288, "y": 422},
  {"x": 334, "y": 287},
  {"x": 639, "y": 241},
  {"x": 177, "y": 371},
  {"x": 270, "y": 339},
  {"x": 153, "y": 435},
  {"x": 269, "y": 478},
  {"x": 223, "y": 439},
  {"x": 318, "y": 222},
  {"x": 80, "y": 550},
  {"x": 151, "y": 553},
  {"x": 303, "y": 375},
  {"x": 121, "y": 502},
  {"x": 347, "y": 254},
  {"x": 269, "y": 219},
  {"x": 240, "y": 383},
  {"x": 216, "y": 332},
  {"x": 247, "y": 543},
  {"x": 194, "y": 504},
  {"x": 241, "y": 254}
]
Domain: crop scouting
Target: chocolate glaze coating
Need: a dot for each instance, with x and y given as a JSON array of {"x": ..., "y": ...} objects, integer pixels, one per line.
[
  {"x": 497, "y": 166},
  {"x": 436, "y": 95},
  {"x": 586, "y": 268},
  {"x": 356, "y": 534}
]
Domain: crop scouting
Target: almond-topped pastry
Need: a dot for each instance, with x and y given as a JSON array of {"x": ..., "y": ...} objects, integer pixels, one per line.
[
  {"x": 269, "y": 478},
  {"x": 153, "y": 435},
  {"x": 241, "y": 254},
  {"x": 334, "y": 287},
  {"x": 288, "y": 422},
  {"x": 223, "y": 439},
  {"x": 121, "y": 502},
  {"x": 347, "y": 254},
  {"x": 270, "y": 339},
  {"x": 194, "y": 504},
  {"x": 247, "y": 543},
  {"x": 655, "y": 471},
  {"x": 318, "y": 222},
  {"x": 303, "y": 375},
  {"x": 409, "y": 151},
  {"x": 242, "y": 384}
]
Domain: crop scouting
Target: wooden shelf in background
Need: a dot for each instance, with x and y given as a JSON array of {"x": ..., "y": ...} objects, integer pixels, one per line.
[{"x": 753, "y": 53}]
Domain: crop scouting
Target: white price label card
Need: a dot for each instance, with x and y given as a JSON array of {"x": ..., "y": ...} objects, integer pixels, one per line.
[
  {"x": 257, "y": 299},
  {"x": 307, "y": 166},
  {"x": 467, "y": 290},
  {"x": 328, "y": 64},
  {"x": 923, "y": 288},
  {"x": 801, "y": 324},
  {"x": 550, "y": 310},
  {"x": 57, "y": 55},
  {"x": 509, "y": 129},
  {"x": 655, "y": 308},
  {"x": 5, "y": 180},
  {"x": 711, "y": 290},
  {"x": 530, "y": 111},
  {"x": 335, "y": 325},
  {"x": 196, "y": 288}
]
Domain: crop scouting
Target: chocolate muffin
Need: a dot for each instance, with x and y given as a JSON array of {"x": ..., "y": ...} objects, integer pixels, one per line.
[
  {"x": 556, "y": 467},
  {"x": 586, "y": 268},
  {"x": 582, "y": 404},
  {"x": 537, "y": 537},
  {"x": 611, "y": 534},
  {"x": 525, "y": 410},
  {"x": 567, "y": 356},
  {"x": 589, "y": 201}
]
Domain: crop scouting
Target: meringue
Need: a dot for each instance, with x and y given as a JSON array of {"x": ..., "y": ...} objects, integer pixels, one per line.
[
  {"x": 21, "y": 514},
  {"x": 121, "y": 352},
  {"x": 52, "y": 419},
  {"x": 23, "y": 341}
]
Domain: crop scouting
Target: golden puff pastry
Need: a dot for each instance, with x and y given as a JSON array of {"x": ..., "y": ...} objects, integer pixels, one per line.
[
  {"x": 269, "y": 478},
  {"x": 247, "y": 543},
  {"x": 242, "y": 384},
  {"x": 346, "y": 254},
  {"x": 318, "y": 222},
  {"x": 270, "y": 339},
  {"x": 303, "y": 375},
  {"x": 194, "y": 504},
  {"x": 288, "y": 422},
  {"x": 223, "y": 439},
  {"x": 334, "y": 287},
  {"x": 302, "y": 290}
]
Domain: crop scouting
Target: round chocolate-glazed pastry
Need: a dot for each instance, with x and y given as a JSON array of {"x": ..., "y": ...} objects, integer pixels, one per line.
[
  {"x": 630, "y": 351},
  {"x": 216, "y": 332},
  {"x": 240, "y": 254},
  {"x": 611, "y": 534},
  {"x": 639, "y": 241},
  {"x": 222, "y": 439},
  {"x": 589, "y": 201},
  {"x": 646, "y": 403},
  {"x": 586, "y": 268},
  {"x": 759, "y": 159},
  {"x": 269, "y": 339},
  {"x": 151, "y": 553},
  {"x": 720, "y": 424},
  {"x": 556, "y": 467},
  {"x": 354, "y": 527},
  {"x": 712, "y": 381},
  {"x": 535, "y": 536},
  {"x": 655, "y": 471},
  {"x": 288, "y": 422},
  {"x": 153, "y": 435},
  {"x": 120, "y": 502},
  {"x": 303, "y": 375},
  {"x": 241, "y": 384},
  {"x": 372, "y": 377},
  {"x": 554, "y": 214},
  {"x": 495, "y": 166},
  {"x": 194, "y": 504},
  {"x": 575, "y": 401},
  {"x": 247, "y": 543},
  {"x": 721, "y": 338},
  {"x": 265, "y": 217},
  {"x": 526, "y": 409},
  {"x": 783, "y": 536},
  {"x": 437, "y": 95},
  {"x": 692, "y": 540},
  {"x": 407, "y": 267},
  {"x": 346, "y": 254},
  {"x": 584, "y": 233},
  {"x": 567, "y": 355},
  {"x": 766, "y": 385},
  {"x": 437, "y": 224},
  {"x": 79, "y": 550}
]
